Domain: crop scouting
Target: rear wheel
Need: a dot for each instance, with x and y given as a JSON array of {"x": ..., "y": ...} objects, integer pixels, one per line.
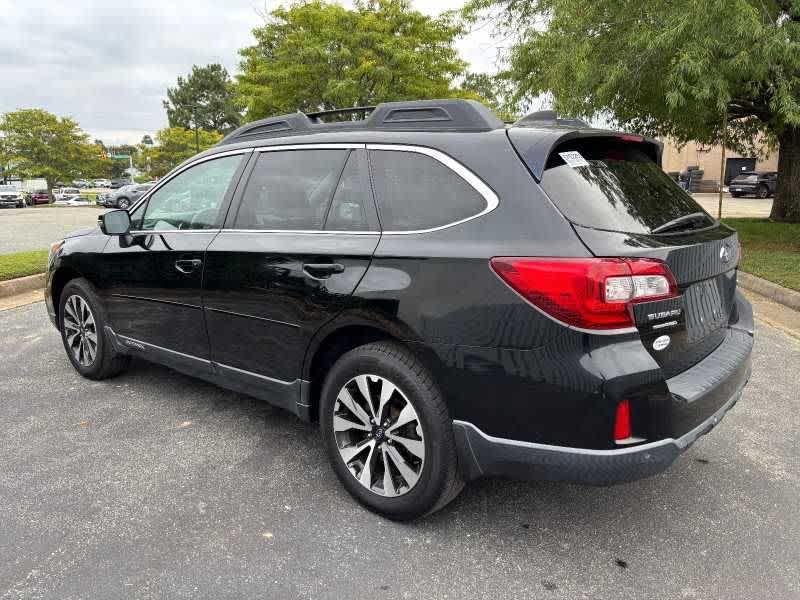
[
  {"x": 82, "y": 324},
  {"x": 763, "y": 192},
  {"x": 388, "y": 432},
  {"x": 124, "y": 203},
  {"x": 736, "y": 194}
]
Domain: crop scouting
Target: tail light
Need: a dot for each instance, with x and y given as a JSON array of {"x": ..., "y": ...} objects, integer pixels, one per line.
[{"x": 590, "y": 293}]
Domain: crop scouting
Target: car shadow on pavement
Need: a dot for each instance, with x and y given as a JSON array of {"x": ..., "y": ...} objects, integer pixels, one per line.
[{"x": 545, "y": 513}]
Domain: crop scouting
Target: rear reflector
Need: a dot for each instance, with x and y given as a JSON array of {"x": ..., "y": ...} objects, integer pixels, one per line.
[
  {"x": 590, "y": 293},
  {"x": 622, "y": 422}
]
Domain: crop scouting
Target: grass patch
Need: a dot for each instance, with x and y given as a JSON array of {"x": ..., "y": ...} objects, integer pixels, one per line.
[
  {"x": 20, "y": 264},
  {"x": 771, "y": 250}
]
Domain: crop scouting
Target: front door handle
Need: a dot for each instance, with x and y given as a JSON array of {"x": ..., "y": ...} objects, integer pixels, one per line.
[
  {"x": 188, "y": 265},
  {"x": 322, "y": 270}
]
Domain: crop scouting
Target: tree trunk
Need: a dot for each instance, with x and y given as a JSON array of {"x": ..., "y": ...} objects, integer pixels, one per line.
[{"x": 786, "y": 205}]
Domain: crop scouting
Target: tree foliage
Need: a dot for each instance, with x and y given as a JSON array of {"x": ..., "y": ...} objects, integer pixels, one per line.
[
  {"x": 668, "y": 68},
  {"x": 173, "y": 146},
  {"x": 39, "y": 144},
  {"x": 204, "y": 99},
  {"x": 318, "y": 55}
]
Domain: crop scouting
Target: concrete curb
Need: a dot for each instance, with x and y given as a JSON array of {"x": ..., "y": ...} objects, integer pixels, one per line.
[
  {"x": 773, "y": 291},
  {"x": 20, "y": 285}
]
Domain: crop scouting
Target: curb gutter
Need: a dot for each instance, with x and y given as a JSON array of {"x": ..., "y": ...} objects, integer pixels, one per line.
[
  {"x": 20, "y": 285},
  {"x": 773, "y": 291}
]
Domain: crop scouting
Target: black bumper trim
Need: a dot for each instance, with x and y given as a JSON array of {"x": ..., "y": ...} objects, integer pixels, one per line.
[{"x": 481, "y": 454}]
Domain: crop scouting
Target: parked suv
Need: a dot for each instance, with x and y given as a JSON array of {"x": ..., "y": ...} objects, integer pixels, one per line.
[
  {"x": 762, "y": 185},
  {"x": 126, "y": 196},
  {"x": 449, "y": 298}
]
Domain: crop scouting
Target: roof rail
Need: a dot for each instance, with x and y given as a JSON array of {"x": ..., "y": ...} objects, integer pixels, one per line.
[
  {"x": 548, "y": 118},
  {"x": 419, "y": 115}
]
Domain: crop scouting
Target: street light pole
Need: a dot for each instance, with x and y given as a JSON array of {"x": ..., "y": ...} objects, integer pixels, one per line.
[{"x": 722, "y": 160}]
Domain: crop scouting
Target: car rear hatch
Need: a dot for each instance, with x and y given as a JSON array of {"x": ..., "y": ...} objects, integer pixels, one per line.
[{"x": 621, "y": 204}]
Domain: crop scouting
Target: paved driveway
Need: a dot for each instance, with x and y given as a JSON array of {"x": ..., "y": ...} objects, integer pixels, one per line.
[
  {"x": 35, "y": 228},
  {"x": 155, "y": 485}
]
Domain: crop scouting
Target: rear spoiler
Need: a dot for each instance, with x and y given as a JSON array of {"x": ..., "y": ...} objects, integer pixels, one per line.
[{"x": 535, "y": 145}]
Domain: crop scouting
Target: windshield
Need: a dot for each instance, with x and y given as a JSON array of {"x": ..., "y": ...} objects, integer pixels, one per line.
[{"x": 615, "y": 185}]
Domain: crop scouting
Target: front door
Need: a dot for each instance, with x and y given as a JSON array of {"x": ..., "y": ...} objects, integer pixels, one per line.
[
  {"x": 294, "y": 248},
  {"x": 153, "y": 277}
]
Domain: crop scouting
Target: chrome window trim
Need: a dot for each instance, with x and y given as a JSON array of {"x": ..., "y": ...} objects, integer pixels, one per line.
[
  {"x": 459, "y": 169},
  {"x": 332, "y": 146},
  {"x": 174, "y": 173},
  {"x": 162, "y": 231},
  {"x": 492, "y": 201},
  {"x": 302, "y": 231}
]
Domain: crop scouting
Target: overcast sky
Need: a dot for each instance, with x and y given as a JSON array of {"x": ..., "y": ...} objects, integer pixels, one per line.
[{"x": 108, "y": 64}]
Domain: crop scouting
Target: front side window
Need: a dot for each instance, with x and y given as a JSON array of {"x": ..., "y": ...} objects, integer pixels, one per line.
[
  {"x": 416, "y": 192},
  {"x": 290, "y": 189},
  {"x": 191, "y": 200}
]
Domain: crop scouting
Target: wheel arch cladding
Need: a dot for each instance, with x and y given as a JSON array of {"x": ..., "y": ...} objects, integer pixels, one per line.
[
  {"x": 60, "y": 279},
  {"x": 338, "y": 342}
]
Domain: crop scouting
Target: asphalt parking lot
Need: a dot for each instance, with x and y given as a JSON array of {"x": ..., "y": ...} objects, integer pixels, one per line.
[
  {"x": 35, "y": 228},
  {"x": 154, "y": 485}
]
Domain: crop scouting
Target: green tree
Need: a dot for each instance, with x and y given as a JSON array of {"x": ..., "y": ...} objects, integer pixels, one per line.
[
  {"x": 673, "y": 69},
  {"x": 203, "y": 100},
  {"x": 493, "y": 90},
  {"x": 173, "y": 146},
  {"x": 318, "y": 55},
  {"x": 38, "y": 144}
]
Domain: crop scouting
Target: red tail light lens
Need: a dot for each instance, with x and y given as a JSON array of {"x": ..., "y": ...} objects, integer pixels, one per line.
[
  {"x": 590, "y": 293},
  {"x": 622, "y": 421}
]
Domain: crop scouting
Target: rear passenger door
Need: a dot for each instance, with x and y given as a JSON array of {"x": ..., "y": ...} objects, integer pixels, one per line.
[{"x": 297, "y": 241}]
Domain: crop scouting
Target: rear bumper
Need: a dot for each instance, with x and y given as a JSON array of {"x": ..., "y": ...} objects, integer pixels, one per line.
[{"x": 717, "y": 381}]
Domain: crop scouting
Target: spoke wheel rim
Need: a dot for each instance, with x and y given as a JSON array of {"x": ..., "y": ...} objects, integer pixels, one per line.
[
  {"x": 379, "y": 435},
  {"x": 80, "y": 330}
]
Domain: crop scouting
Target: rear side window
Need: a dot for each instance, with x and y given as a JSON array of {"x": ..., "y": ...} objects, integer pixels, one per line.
[
  {"x": 615, "y": 185},
  {"x": 415, "y": 191},
  {"x": 352, "y": 208},
  {"x": 290, "y": 190}
]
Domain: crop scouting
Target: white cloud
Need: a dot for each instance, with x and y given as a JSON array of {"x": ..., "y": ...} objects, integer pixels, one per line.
[{"x": 108, "y": 64}]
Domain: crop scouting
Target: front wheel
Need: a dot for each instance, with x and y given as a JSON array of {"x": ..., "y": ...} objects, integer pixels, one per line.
[
  {"x": 388, "y": 432},
  {"x": 763, "y": 192},
  {"x": 124, "y": 203},
  {"x": 82, "y": 324}
]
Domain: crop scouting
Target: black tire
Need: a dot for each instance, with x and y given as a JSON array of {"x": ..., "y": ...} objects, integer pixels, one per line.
[
  {"x": 736, "y": 195},
  {"x": 123, "y": 203},
  {"x": 762, "y": 192},
  {"x": 439, "y": 478},
  {"x": 106, "y": 361}
]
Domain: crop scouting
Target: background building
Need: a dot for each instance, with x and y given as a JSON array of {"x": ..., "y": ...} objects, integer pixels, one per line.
[{"x": 708, "y": 159}]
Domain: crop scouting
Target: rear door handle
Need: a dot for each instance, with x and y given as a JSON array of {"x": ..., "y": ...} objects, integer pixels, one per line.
[
  {"x": 188, "y": 265},
  {"x": 322, "y": 270}
]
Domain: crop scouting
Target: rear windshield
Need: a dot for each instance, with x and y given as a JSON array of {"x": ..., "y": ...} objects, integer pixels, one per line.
[{"x": 616, "y": 185}]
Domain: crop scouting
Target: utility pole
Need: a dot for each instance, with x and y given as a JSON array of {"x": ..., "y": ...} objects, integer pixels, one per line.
[
  {"x": 722, "y": 160},
  {"x": 196, "y": 132}
]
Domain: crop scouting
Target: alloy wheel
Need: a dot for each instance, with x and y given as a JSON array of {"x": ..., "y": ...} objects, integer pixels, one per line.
[
  {"x": 80, "y": 330},
  {"x": 379, "y": 435}
]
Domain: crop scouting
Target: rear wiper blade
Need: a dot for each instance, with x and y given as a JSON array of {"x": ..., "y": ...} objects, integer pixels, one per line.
[{"x": 683, "y": 220}]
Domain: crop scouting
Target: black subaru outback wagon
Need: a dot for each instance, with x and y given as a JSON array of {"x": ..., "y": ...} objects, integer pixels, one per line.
[{"x": 449, "y": 297}]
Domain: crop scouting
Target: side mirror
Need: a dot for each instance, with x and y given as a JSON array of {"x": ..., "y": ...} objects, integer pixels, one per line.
[{"x": 115, "y": 222}]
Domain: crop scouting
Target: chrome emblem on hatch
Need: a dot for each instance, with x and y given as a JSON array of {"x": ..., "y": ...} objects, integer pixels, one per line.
[
  {"x": 725, "y": 253},
  {"x": 661, "y": 342}
]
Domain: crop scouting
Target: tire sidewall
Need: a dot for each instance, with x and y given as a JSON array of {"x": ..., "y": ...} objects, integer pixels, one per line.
[
  {"x": 425, "y": 493},
  {"x": 83, "y": 289}
]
